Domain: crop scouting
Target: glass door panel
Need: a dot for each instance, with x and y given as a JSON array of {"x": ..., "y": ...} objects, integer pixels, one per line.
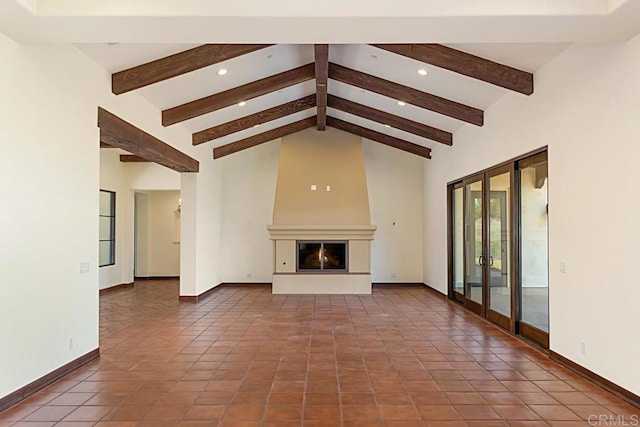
[
  {"x": 458, "y": 240},
  {"x": 499, "y": 244},
  {"x": 534, "y": 281},
  {"x": 473, "y": 242}
]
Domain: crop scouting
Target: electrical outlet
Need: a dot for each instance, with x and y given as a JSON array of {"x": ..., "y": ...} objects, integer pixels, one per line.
[
  {"x": 70, "y": 343},
  {"x": 583, "y": 348},
  {"x": 393, "y": 275},
  {"x": 248, "y": 275}
]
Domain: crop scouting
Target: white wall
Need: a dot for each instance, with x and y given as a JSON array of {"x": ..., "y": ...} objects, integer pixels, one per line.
[
  {"x": 50, "y": 224},
  {"x": 157, "y": 251},
  {"x": 395, "y": 183},
  {"x": 50, "y": 95},
  {"x": 150, "y": 177},
  {"x": 201, "y": 254},
  {"x": 248, "y": 193},
  {"x": 585, "y": 109}
]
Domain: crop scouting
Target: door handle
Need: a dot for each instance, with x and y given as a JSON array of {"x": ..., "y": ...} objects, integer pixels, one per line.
[
  {"x": 481, "y": 260},
  {"x": 490, "y": 261}
]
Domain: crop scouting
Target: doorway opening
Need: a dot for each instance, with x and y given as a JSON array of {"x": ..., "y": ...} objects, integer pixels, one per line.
[{"x": 157, "y": 234}]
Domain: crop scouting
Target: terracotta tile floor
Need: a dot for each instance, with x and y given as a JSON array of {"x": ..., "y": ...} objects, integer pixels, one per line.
[{"x": 244, "y": 357}]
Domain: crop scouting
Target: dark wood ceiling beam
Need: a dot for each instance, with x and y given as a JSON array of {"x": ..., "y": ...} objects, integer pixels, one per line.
[
  {"x": 120, "y": 134},
  {"x": 466, "y": 64},
  {"x": 178, "y": 64},
  {"x": 105, "y": 145},
  {"x": 261, "y": 138},
  {"x": 254, "y": 119},
  {"x": 407, "y": 94},
  {"x": 398, "y": 122},
  {"x": 130, "y": 158},
  {"x": 234, "y": 96},
  {"x": 382, "y": 138},
  {"x": 322, "y": 74}
]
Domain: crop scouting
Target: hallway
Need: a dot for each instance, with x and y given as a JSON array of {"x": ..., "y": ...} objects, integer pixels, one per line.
[{"x": 242, "y": 356}]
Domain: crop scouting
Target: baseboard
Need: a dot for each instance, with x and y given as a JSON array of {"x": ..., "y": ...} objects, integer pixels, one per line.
[
  {"x": 116, "y": 288},
  {"x": 435, "y": 291},
  {"x": 53, "y": 376},
  {"x": 200, "y": 297},
  {"x": 205, "y": 294},
  {"x": 245, "y": 284},
  {"x": 157, "y": 278},
  {"x": 604, "y": 383},
  {"x": 382, "y": 284}
]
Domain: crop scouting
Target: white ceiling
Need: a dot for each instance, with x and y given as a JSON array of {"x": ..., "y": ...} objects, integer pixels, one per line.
[
  {"x": 327, "y": 21},
  {"x": 120, "y": 34}
]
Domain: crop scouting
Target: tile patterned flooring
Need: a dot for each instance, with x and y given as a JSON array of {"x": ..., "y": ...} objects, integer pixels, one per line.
[{"x": 244, "y": 357}]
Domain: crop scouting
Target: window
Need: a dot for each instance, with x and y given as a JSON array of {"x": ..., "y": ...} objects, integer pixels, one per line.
[{"x": 107, "y": 243}]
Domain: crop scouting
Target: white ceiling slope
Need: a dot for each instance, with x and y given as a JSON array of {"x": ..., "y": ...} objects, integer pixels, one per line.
[{"x": 329, "y": 21}]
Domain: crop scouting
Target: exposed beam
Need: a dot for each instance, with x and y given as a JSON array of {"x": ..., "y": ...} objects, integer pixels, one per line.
[
  {"x": 467, "y": 64},
  {"x": 121, "y": 134},
  {"x": 130, "y": 158},
  {"x": 261, "y": 138},
  {"x": 105, "y": 145},
  {"x": 382, "y": 138},
  {"x": 398, "y": 122},
  {"x": 241, "y": 93},
  {"x": 406, "y": 94},
  {"x": 178, "y": 64},
  {"x": 322, "y": 74},
  {"x": 254, "y": 119}
]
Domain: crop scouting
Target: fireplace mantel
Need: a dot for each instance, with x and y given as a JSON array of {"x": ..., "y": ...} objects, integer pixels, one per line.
[
  {"x": 325, "y": 232},
  {"x": 357, "y": 280}
]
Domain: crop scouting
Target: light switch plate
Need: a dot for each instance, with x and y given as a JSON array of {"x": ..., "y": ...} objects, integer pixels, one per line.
[{"x": 84, "y": 267}]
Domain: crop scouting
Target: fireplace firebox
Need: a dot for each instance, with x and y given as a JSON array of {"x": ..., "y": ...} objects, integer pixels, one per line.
[{"x": 322, "y": 256}]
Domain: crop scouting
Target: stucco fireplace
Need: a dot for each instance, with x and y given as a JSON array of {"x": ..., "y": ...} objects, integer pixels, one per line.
[{"x": 321, "y": 227}]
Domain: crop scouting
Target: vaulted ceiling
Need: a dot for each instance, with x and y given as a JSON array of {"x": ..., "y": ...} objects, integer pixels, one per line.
[
  {"x": 372, "y": 90},
  {"x": 408, "y": 96}
]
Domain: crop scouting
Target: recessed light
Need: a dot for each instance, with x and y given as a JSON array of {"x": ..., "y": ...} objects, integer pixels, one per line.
[
  {"x": 387, "y": 126},
  {"x": 222, "y": 71},
  {"x": 255, "y": 126},
  {"x": 422, "y": 72},
  {"x": 242, "y": 104},
  {"x": 269, "y": 56},
  {"x": 402, "y": 103},
  {"x": 374, "y": 56}
]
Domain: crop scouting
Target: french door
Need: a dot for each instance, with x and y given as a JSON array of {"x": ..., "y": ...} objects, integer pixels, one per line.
[
  {"x": 481, "y": 244},
  {"x": 497, "y": 246}
]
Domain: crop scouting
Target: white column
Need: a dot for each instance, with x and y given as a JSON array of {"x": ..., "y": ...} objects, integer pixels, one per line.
[{"x": 188, "y": 233}]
